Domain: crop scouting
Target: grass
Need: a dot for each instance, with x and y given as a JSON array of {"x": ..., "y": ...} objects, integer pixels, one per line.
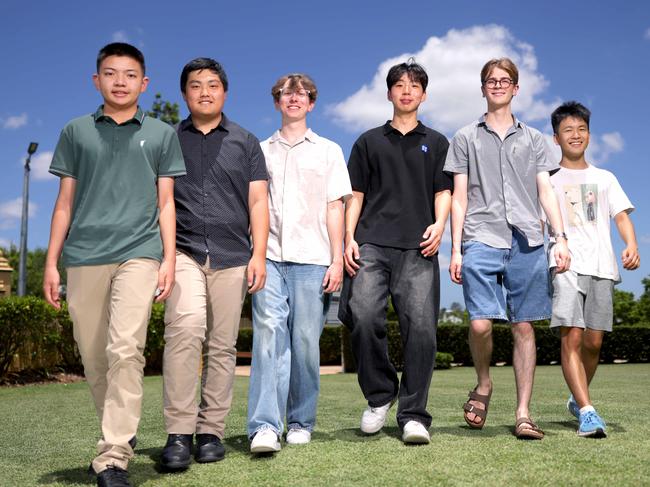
[{"x": 47, "y": 437}]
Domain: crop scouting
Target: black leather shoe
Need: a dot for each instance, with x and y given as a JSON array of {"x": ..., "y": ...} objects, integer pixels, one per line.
[
  {"x": 177, "y": 453},
  {"x": 113, "y": 477},
  {"x": 209, "y": 448}
]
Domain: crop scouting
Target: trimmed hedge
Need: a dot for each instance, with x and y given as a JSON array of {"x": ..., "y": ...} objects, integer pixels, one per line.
[{"x": 33, "y": 335}]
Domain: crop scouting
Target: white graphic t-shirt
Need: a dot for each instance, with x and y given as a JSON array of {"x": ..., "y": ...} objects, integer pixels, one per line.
[{"x": 588, "y": 199}]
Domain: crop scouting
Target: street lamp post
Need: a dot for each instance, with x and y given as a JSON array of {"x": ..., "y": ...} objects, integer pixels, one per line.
[{"x": 22, "y": 264}]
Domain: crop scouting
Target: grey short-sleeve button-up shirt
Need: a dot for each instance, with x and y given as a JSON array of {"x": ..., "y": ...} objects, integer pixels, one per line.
[{"x": 502, "y": 181}]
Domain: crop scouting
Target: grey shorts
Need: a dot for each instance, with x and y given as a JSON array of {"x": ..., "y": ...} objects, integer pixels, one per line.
[{"x": 582, "y": 301}]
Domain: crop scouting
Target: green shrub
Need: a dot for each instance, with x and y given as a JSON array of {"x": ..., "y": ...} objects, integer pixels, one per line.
[
  {"x": 35, "y": 335},
  {"x": 26, "y": 331},
  {"x": 66, "y": 346}
]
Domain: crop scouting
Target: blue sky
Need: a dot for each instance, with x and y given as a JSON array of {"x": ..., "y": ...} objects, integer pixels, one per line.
[{"x": 593, "y": 51}]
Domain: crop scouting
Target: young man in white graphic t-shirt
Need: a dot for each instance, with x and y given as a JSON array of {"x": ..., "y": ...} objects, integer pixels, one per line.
[{"x": 582, "y": 296}]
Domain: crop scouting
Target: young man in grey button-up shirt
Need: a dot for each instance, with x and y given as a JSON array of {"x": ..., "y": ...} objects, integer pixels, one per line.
[{"x": 501, "y": 175}]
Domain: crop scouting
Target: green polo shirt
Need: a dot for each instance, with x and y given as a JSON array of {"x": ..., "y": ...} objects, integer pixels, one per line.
[{"x": 115, "y": 210}]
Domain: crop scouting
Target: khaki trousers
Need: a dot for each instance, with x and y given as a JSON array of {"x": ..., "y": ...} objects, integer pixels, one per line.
[
  {"x": 110, "y": 307},
  {"x": 201, "y": 319}
]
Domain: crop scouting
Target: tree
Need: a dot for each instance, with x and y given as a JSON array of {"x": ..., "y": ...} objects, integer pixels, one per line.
[
  {"x": 643, "y": 304},
  {"x": 164, "y": 110},
  {"x": 624, "y": 308},
  {"x": 35, "y": 269}
]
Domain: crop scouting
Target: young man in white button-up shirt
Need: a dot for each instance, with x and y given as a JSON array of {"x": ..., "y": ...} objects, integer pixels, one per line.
[{"x": 308, "y": 184}]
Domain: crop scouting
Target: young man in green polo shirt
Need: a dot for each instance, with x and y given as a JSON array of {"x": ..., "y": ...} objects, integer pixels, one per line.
[{"x": 115, "y": 221}]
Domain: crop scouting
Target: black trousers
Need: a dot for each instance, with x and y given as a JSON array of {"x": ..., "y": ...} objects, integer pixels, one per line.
[{"x": 413, "y": 282}]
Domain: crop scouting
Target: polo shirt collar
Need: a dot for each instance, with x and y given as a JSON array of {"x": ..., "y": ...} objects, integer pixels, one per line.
[
  {"x": 225, "y": 124},
  {"x": 516, "y": 122},
  {"x": 419, "y": 128},
  {"x": 138, "y": 117}
]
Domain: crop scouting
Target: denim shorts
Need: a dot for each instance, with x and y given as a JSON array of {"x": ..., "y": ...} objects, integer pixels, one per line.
[{"x": 521, "y": 271}]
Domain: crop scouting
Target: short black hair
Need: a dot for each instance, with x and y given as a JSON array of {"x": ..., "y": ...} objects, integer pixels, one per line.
[
  {"x": 201, "y": 63},
  {"x": 120, "y": 49},
  {"x": 569, "y": 109},
  {"x": 414, "y": 71}
]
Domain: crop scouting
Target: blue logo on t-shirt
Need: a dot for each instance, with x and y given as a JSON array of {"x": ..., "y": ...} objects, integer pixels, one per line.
[{"x": 424, "y": 148}]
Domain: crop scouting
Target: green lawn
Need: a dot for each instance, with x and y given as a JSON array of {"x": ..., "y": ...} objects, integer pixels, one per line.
[{"x": 47, "y": 436}]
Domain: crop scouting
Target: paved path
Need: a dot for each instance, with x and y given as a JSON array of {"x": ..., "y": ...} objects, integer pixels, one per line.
[{"x": 245, "y": 370}]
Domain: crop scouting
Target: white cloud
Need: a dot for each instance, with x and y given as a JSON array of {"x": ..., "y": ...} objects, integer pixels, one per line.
[
  {"x": 5, "y": 243},
  {"x": 646, "y": 34},
  {"x": 454, "y": 99},
  {"x": 119, "y": 36},
  {"x": 601, "y": 147},
  {"x": 14, "y": 121},
  {"x": 40, "y": 165},
  {"x": 11, "y": 212},
  {"x": 645, "y": 239}
]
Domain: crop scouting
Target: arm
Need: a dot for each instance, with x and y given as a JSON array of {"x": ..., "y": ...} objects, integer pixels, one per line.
[
  {"x": 433, "y": 234},
  {"x": 551, "y": 207},
  {"x": 352, "y": 212},
  {"x": 458, "y": 210},
  {"x": 630, "y": 256},
  {"x": 167, "y": 221},
  {"x": 334, "y": 275},
  {"x": 61, "y": 218},
  {"x": 258, "y": 207}
]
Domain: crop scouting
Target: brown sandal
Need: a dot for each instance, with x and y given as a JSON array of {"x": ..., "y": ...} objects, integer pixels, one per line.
[
  {"x": 480, "y": 413},
  {"x": 525, "y": 429}
]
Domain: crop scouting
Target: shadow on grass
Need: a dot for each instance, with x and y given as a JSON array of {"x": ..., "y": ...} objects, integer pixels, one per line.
[
  {"x": 79, "y": 475},
  {"x": 238, "y": 443},
  {"x": 573, "y": 425}
]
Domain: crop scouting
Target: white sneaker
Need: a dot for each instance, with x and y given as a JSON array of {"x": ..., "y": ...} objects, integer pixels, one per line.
[
  {"x": 265, "y": 441},
  {"x": 415, "y": 432},
  {"x": 373, "y": 419},
  {"x": 298, "y": 436}
]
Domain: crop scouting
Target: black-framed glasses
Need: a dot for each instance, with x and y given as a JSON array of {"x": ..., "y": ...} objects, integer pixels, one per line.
[{"x": 503, "y": 82}]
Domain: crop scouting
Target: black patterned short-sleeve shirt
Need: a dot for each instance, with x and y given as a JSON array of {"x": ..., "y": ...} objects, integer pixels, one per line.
[{"x": 212, "y": 217}]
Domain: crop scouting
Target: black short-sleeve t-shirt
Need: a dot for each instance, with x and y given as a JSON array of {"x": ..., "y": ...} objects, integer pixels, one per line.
[{"x": 399, "y": 175}]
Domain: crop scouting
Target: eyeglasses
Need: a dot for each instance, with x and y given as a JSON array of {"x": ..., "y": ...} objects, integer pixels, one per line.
[
  {"x": 503, "y": 82},
  {"x": 302, "y": 94}
]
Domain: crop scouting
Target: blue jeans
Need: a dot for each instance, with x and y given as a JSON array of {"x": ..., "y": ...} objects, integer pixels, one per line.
[{"x": 288, "y": 318}]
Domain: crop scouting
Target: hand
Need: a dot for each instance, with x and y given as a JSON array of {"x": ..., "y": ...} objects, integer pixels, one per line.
[
  {"x": 562, "y": 256},
  {"x": 351, "y": 256},
  {"x": 432, "y": 237},
  {"x": 166, "y": 274},
  {"x": 455, "y": 267},
  {"x": 631, "y": 259},
  {"x": 51, "y": 282},
  {"x": 333, "y": 277},
  {"x": 256, "y": 274}
]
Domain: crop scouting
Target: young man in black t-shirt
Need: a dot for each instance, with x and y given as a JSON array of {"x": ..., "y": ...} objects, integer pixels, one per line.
[{"x": 393, "y": 227}]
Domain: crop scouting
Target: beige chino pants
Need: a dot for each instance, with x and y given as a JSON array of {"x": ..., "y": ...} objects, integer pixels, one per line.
[
  {"x": 110, "y": 307},
  {"x": 201, "y": 319}
]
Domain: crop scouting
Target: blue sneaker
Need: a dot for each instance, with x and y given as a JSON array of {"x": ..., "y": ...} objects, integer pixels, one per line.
[
  {"x": 591, "y": 425},
  {"x": 572, "y": 407}
]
